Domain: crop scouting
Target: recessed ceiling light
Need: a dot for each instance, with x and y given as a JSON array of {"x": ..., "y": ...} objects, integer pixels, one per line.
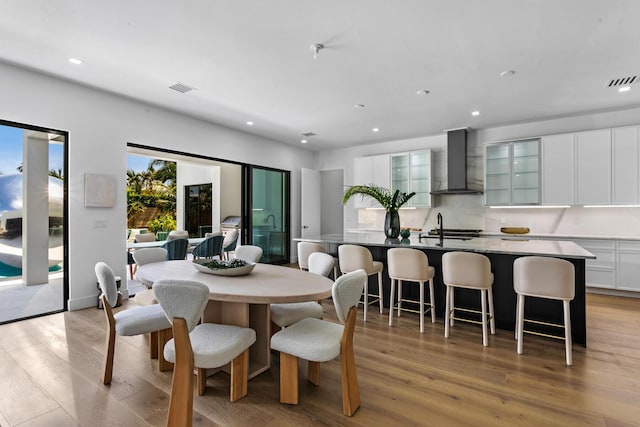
[
  {"x": 249, "y": 123},
  {"x": 422, "y": 92},
  {"x": 624, "y": 89},
  {"x": 475, "y": 113},
  {"x": 375, "y": 130},
  {"x": 358, "y": 106},
  {"x": 507, "y": 73},
  {"x": 75, "y": 61},
  {"x": 304, "y": 141}
]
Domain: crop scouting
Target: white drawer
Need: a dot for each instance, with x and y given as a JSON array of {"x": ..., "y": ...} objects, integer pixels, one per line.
[
  {"x": 604, "y": 258},
  {"x": 628, "y": 271},
  {"x": 596, "y": 244},
  {"x": 628, "y": 245},
  {"x": 601, "y": 278}
]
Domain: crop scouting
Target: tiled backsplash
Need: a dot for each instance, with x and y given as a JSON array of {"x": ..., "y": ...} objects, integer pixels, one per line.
[{"x": 467, "y": 212}]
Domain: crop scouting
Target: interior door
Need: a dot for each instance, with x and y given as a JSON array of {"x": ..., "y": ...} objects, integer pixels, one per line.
[{"x": 310, "y": 203}]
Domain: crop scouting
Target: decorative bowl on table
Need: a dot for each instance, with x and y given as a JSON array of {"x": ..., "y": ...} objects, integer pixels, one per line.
[{"x": 234, "y": 267}]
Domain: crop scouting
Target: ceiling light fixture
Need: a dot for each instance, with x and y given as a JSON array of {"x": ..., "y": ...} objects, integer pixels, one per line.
[
  {"x": 249, "y": 123},
  {"x": 75, "y": 61},
  {"x": 303, "y": 141},
  {"x": 422, "y": 92},
  {"x": 316, "y": 48},
  {"x": 375, "y": 130},
  {"x": 507, "y": 73},
  {"x": 475, "y": 113},
  {"x": 624, "y": 89}
]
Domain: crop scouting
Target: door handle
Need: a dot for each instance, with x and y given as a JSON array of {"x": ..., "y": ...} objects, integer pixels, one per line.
[{"x": 305, "y": 226}]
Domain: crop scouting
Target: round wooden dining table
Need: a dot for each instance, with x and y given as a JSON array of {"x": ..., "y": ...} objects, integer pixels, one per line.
[{"x": 244, "y": 300}]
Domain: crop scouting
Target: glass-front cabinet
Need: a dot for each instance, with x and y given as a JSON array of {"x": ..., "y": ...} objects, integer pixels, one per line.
[
  {"x": 512, "y": 173},
  {"x": 412, "y": 172}
]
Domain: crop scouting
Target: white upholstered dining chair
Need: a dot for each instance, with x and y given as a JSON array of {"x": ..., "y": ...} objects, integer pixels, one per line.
[
  {"x": 283, "y": 315},
  {"x": 248, "y": 253},
  {"x": 133, "y": 321},
  {"x": 203, "y": 346},
  {"x": 307, "y": 248},
  {"x": 319, "y": 341}
]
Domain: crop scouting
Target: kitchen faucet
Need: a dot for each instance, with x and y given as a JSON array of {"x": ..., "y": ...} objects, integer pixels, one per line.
[{"x": 440, "y": 226}]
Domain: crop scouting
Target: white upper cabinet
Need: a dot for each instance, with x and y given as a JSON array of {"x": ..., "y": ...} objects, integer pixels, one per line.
[
  {"x": 411, "y": 172},
  {"x": 593, "y": 167},
  {"x": 370, "y": 170},
  {"x": 512, "y": 173},
  {"x": 625, "y": 166},
  {"x": 421, "y": 178},
  {"x": 558, "y": 171}
]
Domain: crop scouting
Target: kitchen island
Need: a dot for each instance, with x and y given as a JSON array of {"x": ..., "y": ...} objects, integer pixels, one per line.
[{"x": 502, "y": 253}]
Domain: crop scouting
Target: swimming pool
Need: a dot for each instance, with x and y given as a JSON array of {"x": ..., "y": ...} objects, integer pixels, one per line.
[{"x": 7, "y": 271}]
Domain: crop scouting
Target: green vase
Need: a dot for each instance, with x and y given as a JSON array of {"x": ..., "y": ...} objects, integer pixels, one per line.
[{"x": 392, "y": 224}]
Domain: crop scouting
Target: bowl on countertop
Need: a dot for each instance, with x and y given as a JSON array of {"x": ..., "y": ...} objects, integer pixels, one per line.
[{"x": 514, "y": 230}]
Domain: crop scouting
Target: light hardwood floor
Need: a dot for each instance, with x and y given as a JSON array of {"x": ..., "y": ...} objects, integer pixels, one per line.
[{"x": 50, "y": 376}]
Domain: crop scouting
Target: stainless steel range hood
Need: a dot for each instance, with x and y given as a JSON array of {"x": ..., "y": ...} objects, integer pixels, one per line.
[{"x": 457, "y": 164}]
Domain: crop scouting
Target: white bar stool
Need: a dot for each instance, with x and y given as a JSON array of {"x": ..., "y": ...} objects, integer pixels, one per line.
[
  {"x": 354, "y": 257},
  {"x": 471, "y": 271},
  {"x": 544, "y": 277},
  {"x": 411, "y": 265}
]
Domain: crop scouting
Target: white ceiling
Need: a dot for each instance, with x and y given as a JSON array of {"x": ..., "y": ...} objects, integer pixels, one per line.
[{"x": 251, "y": 60}]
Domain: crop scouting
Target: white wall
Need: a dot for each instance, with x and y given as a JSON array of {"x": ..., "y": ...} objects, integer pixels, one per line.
[
  {"x": 100, "y": 125},
  {"x": 194, "y": 174},
  {"x": 343, "y": 159}
]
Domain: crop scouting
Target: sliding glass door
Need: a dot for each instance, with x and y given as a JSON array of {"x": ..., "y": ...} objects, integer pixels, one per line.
[
  {"x": 33, "y": 212},
  {"x": 270, "y": 212}
]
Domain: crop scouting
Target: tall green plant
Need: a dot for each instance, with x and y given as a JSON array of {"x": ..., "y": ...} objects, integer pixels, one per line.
[
  {"x": 390, "y": 200},
  {"x": 164, "y": 222}
]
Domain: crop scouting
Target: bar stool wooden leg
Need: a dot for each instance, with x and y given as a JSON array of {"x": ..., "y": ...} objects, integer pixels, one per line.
[{"x": 567, "y": 331}]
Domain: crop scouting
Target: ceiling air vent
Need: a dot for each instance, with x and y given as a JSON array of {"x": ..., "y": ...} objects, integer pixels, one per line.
[
  {"x": 622, "y": 81},
  {"x": 182, "y": 88},
  {"x": 308, "y": 134}
]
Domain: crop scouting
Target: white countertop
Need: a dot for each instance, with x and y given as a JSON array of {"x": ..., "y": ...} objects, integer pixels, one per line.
[
  {"x": 521, "y": 246},
  {"x": 558, "y": 236}
]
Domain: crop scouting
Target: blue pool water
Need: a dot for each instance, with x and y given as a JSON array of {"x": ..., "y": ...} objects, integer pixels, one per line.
[{"x": 10, "y": 271}]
